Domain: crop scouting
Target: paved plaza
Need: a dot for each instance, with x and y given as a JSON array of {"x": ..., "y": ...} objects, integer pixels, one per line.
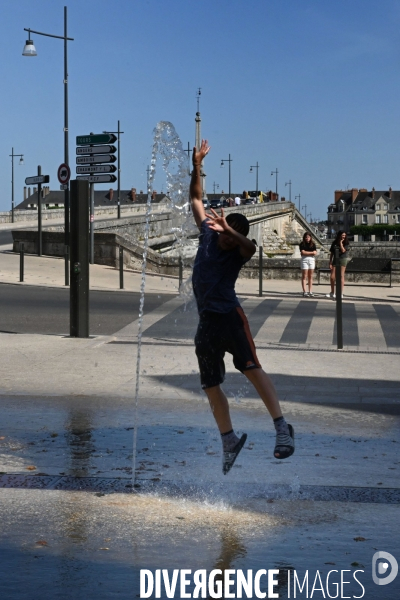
[{"x": 73, "y": 523}]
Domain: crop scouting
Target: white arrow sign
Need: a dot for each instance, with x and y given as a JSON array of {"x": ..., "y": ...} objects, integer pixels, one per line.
[
  {"x": 96, "y": 169},
  {"x": 101, "y": 158},
  {"x": 96, "y": 149},
  {"x": 98, "y": 178}
]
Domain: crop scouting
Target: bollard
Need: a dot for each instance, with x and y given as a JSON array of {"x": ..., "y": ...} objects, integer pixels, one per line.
[
  {"x": 339, "y": 312},
  {"x": 180, "y": 271},
  {"x": 66, "y": 257},
  {"x": 21, "y": 261},
  {"x": 260, "y": 269},
  {"x": 121, "y": 268}
]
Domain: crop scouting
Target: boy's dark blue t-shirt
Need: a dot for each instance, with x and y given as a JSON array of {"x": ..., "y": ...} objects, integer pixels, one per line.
[{"x": 215, "y": 272}]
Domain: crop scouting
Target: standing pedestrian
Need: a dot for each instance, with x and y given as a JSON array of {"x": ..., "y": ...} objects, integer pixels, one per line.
[
  {"x": 308, "y": 251},
  {"x": 223, "y": 249},
  {"x": 341, "y": 242}
]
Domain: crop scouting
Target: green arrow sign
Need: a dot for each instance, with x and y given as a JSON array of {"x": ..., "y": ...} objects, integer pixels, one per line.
[{"x": 100, "y": 138}]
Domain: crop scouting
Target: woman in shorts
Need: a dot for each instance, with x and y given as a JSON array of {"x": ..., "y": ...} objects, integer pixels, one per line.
[
  {"x": 343, "y": 243},
  {"x": 308, "y": 251}
]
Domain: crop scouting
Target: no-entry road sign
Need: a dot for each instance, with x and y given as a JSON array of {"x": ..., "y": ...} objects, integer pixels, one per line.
[
  {"x": 99, "y": 138},
  {"x": 37, "y": 179},
  {"x": 98, "y": 178},
  {"x": 96, "y": 169},
  {"x": 64, "y": 174}
]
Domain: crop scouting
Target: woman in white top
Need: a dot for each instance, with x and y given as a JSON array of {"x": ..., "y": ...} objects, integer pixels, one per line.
[{"x": 308, "y": 251}]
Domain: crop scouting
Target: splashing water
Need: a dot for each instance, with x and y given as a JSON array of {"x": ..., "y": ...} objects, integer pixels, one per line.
[{"x": 168, "y": 145}]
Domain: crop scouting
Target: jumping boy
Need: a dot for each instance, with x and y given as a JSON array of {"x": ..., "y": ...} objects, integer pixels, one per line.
[{"x": 223, "y": 327}]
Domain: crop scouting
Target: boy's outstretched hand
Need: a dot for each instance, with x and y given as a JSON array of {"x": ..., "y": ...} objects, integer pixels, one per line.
[
  {"x": 216, "y": 222},
  {"x": 198, "y": 155}
]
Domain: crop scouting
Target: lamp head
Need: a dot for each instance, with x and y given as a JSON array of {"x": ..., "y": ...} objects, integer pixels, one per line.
[
  {"x": 29, "y": 48},
  {"x": 21, "y": 160}
]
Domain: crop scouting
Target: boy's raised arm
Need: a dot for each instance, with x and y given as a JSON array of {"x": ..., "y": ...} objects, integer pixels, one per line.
[{"x": 196, "y": 191}]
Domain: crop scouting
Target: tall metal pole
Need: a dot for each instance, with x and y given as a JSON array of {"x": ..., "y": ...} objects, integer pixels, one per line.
[
  {"x": 255, "y": 167},
  {"x": 12, "y": 179},
  {"x": 119, "y": 174},
  {"x": 289, "y": 183},
  {"x": 118, "y": 132},
  {"x": 276, "y": 181},
  {"x": 299, "y": 200},
  {"x": 91, "y": 209},
  {"x": 228, "y": 160},
  {"x": 66, "y": 150},
  {"x": 12, "y": 185},
  {"x": 229, "y": 175},
  {"x": 39, "y": 193}
]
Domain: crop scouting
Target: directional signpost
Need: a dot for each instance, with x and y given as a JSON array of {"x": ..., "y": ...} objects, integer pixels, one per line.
[
  {"x": 95, "y": 155},
  {"x": 39, "y": 179}
]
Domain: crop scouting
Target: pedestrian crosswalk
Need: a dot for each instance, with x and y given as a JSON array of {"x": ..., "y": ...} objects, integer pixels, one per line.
[{"x": 293, "y": 322}]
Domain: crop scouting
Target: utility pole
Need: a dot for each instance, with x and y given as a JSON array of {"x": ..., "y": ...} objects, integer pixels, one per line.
[
  {"x": 198, "y": 142},
  {"x": 118, "y": 132},
  {"x": 289, "y": 183},
  {"x": 276, "y": 181}
]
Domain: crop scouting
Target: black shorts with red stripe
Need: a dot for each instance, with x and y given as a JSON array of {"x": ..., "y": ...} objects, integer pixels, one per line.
[{"x": 218, "y": 333}]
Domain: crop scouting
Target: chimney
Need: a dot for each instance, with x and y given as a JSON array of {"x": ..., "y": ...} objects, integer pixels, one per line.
[
  {"x": 390, "y": 193},
  {"x": 25, "y": 196},
  {"x": 338, "y": 193},
  {"x": 111, "y": 194},
  {"x": 29, "y": 192},
  {"x": 283, "y": 199},
  {"x": 133, "y": 194},
  {"x": 373, "y": 194},
  {"x": 354, "y": 194},
  {"x": 153, "y": 195}
]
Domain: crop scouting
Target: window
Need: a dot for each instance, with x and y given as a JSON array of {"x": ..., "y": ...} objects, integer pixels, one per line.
[
  {"x": 385, "y": 207},
  {"x": 365, "y": 219},
  {"x": 378, "y": 207},
  {"x": 385, "y": 219},
  {"x": 398, "y": 218},
  {"x": 377, "y": 218}
]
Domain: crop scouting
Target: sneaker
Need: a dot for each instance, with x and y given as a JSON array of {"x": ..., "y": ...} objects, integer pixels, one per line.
[
  {"x": 305, "y": 294},
  {"x": 228, "y": 458},
  {"x": 311, "y": 294},
  {"x": 331, "y": 295},
  {"x": 284, "y": 444}
]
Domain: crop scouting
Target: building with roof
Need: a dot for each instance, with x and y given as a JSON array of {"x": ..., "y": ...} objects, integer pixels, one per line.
[{"x": 363, "y": 207}]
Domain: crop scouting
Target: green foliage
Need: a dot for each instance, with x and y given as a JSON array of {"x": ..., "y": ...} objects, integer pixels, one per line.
[{"x": 376, "y": 229}]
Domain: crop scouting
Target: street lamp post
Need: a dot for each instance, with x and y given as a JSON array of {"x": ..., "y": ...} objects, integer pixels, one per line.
[
  {"x": 289, "y": 183},
  {"x": 305, "y": 212},
  {"x": 251, "y": 170},
  {"x": 21, "y": 162},
  {"x": 30, "y": 50},
  {"x": 276, "y": 181},
  {"x": 119, "y": 170},
  {"x": 215, "y": 186},
  {"x": 228, "y": 160},
  {"x": 299, "y": 197}
]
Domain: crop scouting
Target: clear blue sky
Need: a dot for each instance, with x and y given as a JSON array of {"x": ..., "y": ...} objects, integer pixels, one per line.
[{"x": 306, "y": 86}]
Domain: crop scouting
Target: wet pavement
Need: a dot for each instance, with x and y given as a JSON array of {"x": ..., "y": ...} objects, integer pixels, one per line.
[{"x": 74, "y": 523}]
